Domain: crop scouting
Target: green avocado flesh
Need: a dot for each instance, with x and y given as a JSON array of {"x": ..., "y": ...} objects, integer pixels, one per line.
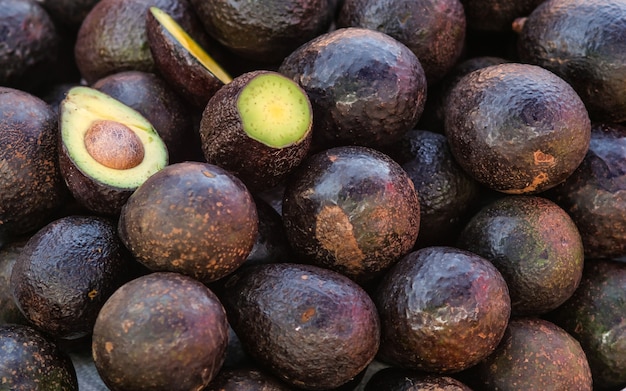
[
  {"x": 83, "y": 113},
  {"x": 274, "y": 110}
]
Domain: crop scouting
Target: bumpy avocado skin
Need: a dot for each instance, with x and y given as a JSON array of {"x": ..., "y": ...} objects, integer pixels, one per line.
[
  {"x": 595, "y": 194},
  {"x": 594, "y": 316},
  {"x": 33, "y": 362},
  {"x": 250, "y": 379},
  {"x": 583, "y": 42}
]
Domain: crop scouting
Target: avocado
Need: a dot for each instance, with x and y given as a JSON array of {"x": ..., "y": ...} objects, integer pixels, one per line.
[
  {"x": 264, "y": 114},
  {"x": 433, "y": 29},
  {"x": 271, "y": 244},
  {"x": 160, "y": 104},
  {"x": 594, "y": 316},
  {"x": 161, "y": 331},
  {"x": 516, "y": 128},
  {"x": 261, "y": 30},
  {"x": 113, "y": 36},
  {"x": 69, "y": 13},
  {"x": 249, "y": 379},
  {"x": 30, "y": 41},
  {"x": 594, "y": 195},
  {"x": 447, "y": 195},
  {"x": 235, "y": 356},
  {"x": 31, "y": 185},
  {"x": 366, "y": 88},
  {"x": 442, "y": 310},
  {"x": 65, "y": 273},
  {"x": 534, "y": 354},
  {"x": 31, "y": 361},
  {"x": 181, "y": 61},
  {"x": 9, "y": 311},
  {"x": 400, "y": 379},
  {"x": 106, "y": 149},
  {"x": 582, "y": 41},
  {"x": 79, "y": 351},
  {"x": 351, "y": 209},
  {"x": 203, "y": 221},
  {"x": 496, "y": 15},
  {"x": 313, "y": 328}
]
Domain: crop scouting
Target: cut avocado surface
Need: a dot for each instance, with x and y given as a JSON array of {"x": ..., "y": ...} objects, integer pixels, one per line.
[{"x": 108, "y": 141}]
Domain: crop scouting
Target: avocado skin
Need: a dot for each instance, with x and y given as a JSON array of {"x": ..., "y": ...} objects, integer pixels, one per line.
[
  {"x": 271, "y": 244},
  {"x": 595, "y": 194},
  {"x": 400, "y": 379},
  {"x": 366, "y": 88},
  {"x": 311, "y": 327},
  {"x": 9, "y": 311},
  {"x": 516, "y": 128},
  {"x": 594, "y": 316},
  {"x": 442, "y": 310},
  {"x": 65, "y": 273},
  {"x": 496, "y": 15},
  {"x": 30, "y": 42},
  {"x": 31, "y": 186},
  {"x": 433, "y": 29},
  {"x": 250, "y": 379},
  {"x": 33, "y": 362},
  {"x": 583, "y": 42},
  {"x": 70, "y": 13},
  {"x": 534, "y": 354}
]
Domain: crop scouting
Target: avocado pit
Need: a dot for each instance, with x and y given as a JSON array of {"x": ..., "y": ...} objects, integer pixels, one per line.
[{"x": 113, "y": 145}]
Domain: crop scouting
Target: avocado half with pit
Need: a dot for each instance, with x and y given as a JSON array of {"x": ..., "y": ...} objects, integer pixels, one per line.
[
  {"x": 181, "y": 60},
  {"x": 106, "y": 149}
]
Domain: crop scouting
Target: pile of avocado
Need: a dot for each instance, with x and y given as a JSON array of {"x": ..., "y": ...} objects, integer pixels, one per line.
[{"x": 313, "y": 195}]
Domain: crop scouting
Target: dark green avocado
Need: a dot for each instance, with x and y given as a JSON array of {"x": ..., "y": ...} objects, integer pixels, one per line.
[
  {"x": 33, "y": 362},
  {"x": 516, "y": 128},
  {"x": 583, "y": 42}
]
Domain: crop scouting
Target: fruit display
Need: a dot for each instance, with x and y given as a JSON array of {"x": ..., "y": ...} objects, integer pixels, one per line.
[{"x": 326, "y": 195}]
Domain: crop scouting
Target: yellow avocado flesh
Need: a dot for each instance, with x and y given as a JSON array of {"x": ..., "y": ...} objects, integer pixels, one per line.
[
  {"x": 190, "y": 45},
  {"x": 274, "y": 110},
  {"x": 84, "y": 106}
]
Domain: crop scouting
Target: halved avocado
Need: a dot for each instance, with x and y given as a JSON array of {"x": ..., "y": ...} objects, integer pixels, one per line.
[
  {"x": 265, "y": 114},
  {"x": 181, "y": 60},
  {"x": 106, "y": 149}
]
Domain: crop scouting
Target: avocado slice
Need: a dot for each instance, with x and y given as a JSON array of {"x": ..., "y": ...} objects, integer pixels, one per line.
[{"x": 106, "y": 149}]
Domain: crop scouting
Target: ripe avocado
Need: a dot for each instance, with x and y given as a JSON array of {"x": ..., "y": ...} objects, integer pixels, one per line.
[
  {"x": 496, "y": 15},
  {"x": 203, "y": 221},
  {"x": 161, "y": 331},
  {"x": 9, "y": 311},
  {"x": 249, "y": 379},
  {"x": 399, "y": 379},
  {"x": 516, "y": 128},
  {"x": 366, "y": 88},
  {"x": 33, "y": 362},
  {"x": 351, "y": 209},
  {"x": 534, "y": 354},
  {"x": 265, "y": 114},
  {"x": 583, "y": 42},
  {"x": 65, "y": 273},
  {"x": 271, "y": 244},
  {"x": 313, "y": 328},
  {"x": 265, "y": 31},
  {"x": 442, "y": 310},
  {"x": 595, "y": 194},
  {"x": 594, "y": 315},
  {"x": 433, "y": 29},
  {"x": 106, "y": 149},
  {"x": 159, "y": 103},
  {"x": 534, "y": 244},
  {"x": 31, "y": 185}
]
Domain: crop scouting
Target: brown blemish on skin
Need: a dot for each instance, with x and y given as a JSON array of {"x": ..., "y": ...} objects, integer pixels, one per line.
[
  {"x": 333, "y": 230},
  {"x": 307, "y": 315},
  {"x": 108, "y": 346},
  {"x": 541, "y": 158},
  {"x": 540, "y": 179},
  {"x": 92, "y": 294}
]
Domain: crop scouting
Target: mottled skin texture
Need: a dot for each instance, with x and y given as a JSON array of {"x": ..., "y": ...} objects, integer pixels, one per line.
[
  {"x": 534, "y": 244},
  {"x": 496, "y": 15},
  {"x": 113, "y": 37},
  {"x": 191, "y": 217},
  {"x": 65, "y": 273},
  {"x": 9, "y": 311},
  {"x": 31, "y": 186},
  {"x": 583, "y": 42},
  {"x": 534, "y": 354},
  {"x": 223, "y": 139},
  {"x": 249, "y": 379},
  {"x": 442, "y": 310},
  {"x": 398, "y": 379},
  {"x": 594, "y": 315},
  {"x": 365, "y": 87},
  {"x": 516, "y": 128},
  {"x": 351, "y": 209},
  {"x": 32, "y": 362},
  {"x": 162, "y": 331},
  {"x": 433, "y": 29},
  {"x": 163, "y": 107},
  {"x": 311, "y": 327},
  {"x": 595, "y": 194},
  {"x": 265, "y": 31},
  {"x": 29, "y": 42}
]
